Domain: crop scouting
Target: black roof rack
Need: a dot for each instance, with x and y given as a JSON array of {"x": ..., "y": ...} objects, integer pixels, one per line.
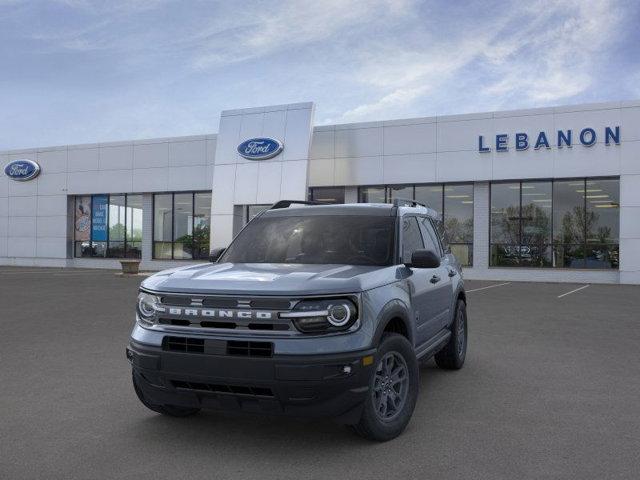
[
  {"x": 405, "y": 202},
  {"x": 288, "y": 203}
]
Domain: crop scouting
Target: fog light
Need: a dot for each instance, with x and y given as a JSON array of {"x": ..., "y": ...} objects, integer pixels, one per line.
[{"x": 346, "y": 369}]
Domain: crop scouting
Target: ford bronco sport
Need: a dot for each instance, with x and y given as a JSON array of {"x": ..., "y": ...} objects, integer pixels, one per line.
[{"x": 320, "y": 310}]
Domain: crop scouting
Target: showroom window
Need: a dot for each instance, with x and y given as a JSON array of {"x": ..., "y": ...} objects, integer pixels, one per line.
[
  {"x": 562, "y": 224},
  {"x": 372, "y": 194},
  {"x": 108, "y": 226},
  {"x": 453, "y": 202},
  {"x": 181, "y": 225},
  {"x": 250, "y": 211},
  {"x": 327, "y": 194}
]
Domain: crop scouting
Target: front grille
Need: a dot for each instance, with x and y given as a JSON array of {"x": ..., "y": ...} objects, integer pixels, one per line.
[
  {"x": 278, "y": 326},
  {"x": 229, "y": 325},
  {"x": 215, "y": 302},
  {"x": 176, "y": 300},
  {"x": 268, "y": 326},
  {"x": 210, "y": 302},
  {"x": 270, "y": 303},
  {"x": 211, "y": 312},
  {"x": 228, "y": 389},
  {"x": 183, "y": 344},
  {"x": 226, "y": 302},
  {"x": 250, "y": 349}
]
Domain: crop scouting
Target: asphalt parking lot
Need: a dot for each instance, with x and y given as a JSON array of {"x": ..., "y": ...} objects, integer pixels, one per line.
[{"x": 551, "y": 389}]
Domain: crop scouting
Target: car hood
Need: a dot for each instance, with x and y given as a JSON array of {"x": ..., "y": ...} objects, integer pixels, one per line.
[{"x": 270, "y": 279}]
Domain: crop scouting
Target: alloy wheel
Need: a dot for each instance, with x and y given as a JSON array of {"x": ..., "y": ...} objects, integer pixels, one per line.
[
  {"x": 460, "y": 343},
  {"x": 391, "y": 386}
]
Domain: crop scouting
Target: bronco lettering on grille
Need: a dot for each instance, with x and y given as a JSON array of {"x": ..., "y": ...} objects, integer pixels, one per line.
[{"x": 219, "y": 313}]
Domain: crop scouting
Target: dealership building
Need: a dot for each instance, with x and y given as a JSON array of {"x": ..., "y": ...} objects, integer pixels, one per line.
[{"x": 547, "y": 194}]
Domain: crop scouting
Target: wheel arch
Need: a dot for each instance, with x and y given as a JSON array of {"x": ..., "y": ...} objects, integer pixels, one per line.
[
  {"x": 394, "y": 317},
  {"x": 461, "y": 296}
]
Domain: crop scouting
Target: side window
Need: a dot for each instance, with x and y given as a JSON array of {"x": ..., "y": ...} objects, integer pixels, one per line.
[
  {"x": 411, "y": 238},
  {"x": 430, "y": 239},
  {"x": 442, "y": 235}
]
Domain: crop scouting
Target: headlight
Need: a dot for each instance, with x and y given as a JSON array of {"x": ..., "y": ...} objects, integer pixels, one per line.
[
  {"x": 340, "y": 314},
  {"x": 147, "y": 307},
  {"x": 323, "y": 315}
]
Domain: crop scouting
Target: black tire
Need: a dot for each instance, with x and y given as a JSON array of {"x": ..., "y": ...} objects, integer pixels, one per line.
[
  {"x": 383, "y": 426},
  {"x": 452, "y": 356},
  {"x": 170, "y": 410}
]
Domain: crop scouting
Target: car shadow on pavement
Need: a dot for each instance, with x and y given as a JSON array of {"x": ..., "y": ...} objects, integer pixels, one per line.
[{"x": 264, "y": 433}]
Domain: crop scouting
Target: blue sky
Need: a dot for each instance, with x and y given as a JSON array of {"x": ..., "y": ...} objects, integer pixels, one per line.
[{"x": 76, "y": 71}]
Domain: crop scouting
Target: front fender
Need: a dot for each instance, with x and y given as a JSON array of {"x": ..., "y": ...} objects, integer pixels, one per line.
[{"x": 392, "y": 310}]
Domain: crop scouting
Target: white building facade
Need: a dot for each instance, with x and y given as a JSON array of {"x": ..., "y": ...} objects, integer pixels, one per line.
[{"x": 549, "y": 194}]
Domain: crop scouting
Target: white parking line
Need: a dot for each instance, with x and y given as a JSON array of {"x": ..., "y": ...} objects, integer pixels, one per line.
[
  {"x": 573, "y": 291},
  {"x": 489, "y": 286},
  {"x": 21, "y": 271},
  {"x": 54, "y": 273},
  {"x": 75, "y": 274}
]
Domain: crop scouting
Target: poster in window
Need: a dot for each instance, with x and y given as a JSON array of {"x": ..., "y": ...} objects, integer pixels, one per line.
[
  {"x": 83, "y": 219},
  {"x": 99, "y": 220}
]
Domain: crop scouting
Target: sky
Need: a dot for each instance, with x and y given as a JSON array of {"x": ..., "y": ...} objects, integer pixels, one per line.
[{"x": 80, "y": 71}]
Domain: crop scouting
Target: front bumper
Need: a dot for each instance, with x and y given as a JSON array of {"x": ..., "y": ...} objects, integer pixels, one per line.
[{"x": 331, "y": 385}]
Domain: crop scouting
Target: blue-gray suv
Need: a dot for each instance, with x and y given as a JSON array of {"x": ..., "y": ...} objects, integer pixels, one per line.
[{"x": 322, "y": 310}]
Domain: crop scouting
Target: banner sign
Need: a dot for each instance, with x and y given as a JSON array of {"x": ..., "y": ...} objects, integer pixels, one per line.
[
  {"x": 99, "y": 218},
  {"x": 83, "y": 219}
]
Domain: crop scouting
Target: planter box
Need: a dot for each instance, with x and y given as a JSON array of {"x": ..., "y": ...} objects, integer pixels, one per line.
[{"x": 130, "y": 266}]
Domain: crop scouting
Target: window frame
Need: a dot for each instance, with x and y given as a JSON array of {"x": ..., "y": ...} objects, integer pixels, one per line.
[
  {"x": 173, "y": 210},
  {"x": 246, "y": 214},
  {"x": 431, "y": 232},
  {"x": 313, "y": 190},
  {"x": 468, "y": 262},
  {"x": 384, "y": 187},
  {"x": 125, "y": 240},
  {"x": 401, "y": 245},
  {"x": 553, "y": 245}
]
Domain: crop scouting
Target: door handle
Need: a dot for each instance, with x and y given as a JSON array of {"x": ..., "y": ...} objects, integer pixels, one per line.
[{"x": 435, "y": 279}]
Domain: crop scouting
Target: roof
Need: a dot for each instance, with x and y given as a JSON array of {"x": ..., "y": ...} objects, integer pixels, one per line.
[{"x": 355, "y": 209}]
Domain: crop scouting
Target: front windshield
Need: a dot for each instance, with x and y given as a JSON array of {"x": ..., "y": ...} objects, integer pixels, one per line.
[{"x": 332, "y": 239}]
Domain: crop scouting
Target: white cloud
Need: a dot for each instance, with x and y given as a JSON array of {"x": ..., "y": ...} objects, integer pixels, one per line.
[
  {"x": 543, "y": 52},
  {"x": 288, "y": 24},
  {"x": 165, "y": 67},
  {"x": 397, "y": 98},
  {"x": 554, "y": 63},
  {"x": 406, "y": 76}
]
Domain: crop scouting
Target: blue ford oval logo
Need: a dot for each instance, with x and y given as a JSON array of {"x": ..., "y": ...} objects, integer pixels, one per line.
[
  {"x": 22, "y": 170},
  {"x": 260, "y": 148}
]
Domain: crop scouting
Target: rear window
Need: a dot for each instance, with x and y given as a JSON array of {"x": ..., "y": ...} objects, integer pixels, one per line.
[{"x": 317, "y": 239}]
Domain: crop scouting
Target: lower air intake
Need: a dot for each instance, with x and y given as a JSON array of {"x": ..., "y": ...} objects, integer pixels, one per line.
[
  {"x": 228, "y": 389},
  {"x": 183, "y": 344},
  {"x": 250, "y": 349}
]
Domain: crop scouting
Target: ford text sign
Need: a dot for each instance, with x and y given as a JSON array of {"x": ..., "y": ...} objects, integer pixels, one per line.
[
  {"x": 260, "y": 148},
  {"x": 22, "y": 170}
]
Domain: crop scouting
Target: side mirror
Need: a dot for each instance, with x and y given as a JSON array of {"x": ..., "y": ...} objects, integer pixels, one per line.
[
  {"x": 215, "y": 254},
  {"x": 424, "y": 259}
]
